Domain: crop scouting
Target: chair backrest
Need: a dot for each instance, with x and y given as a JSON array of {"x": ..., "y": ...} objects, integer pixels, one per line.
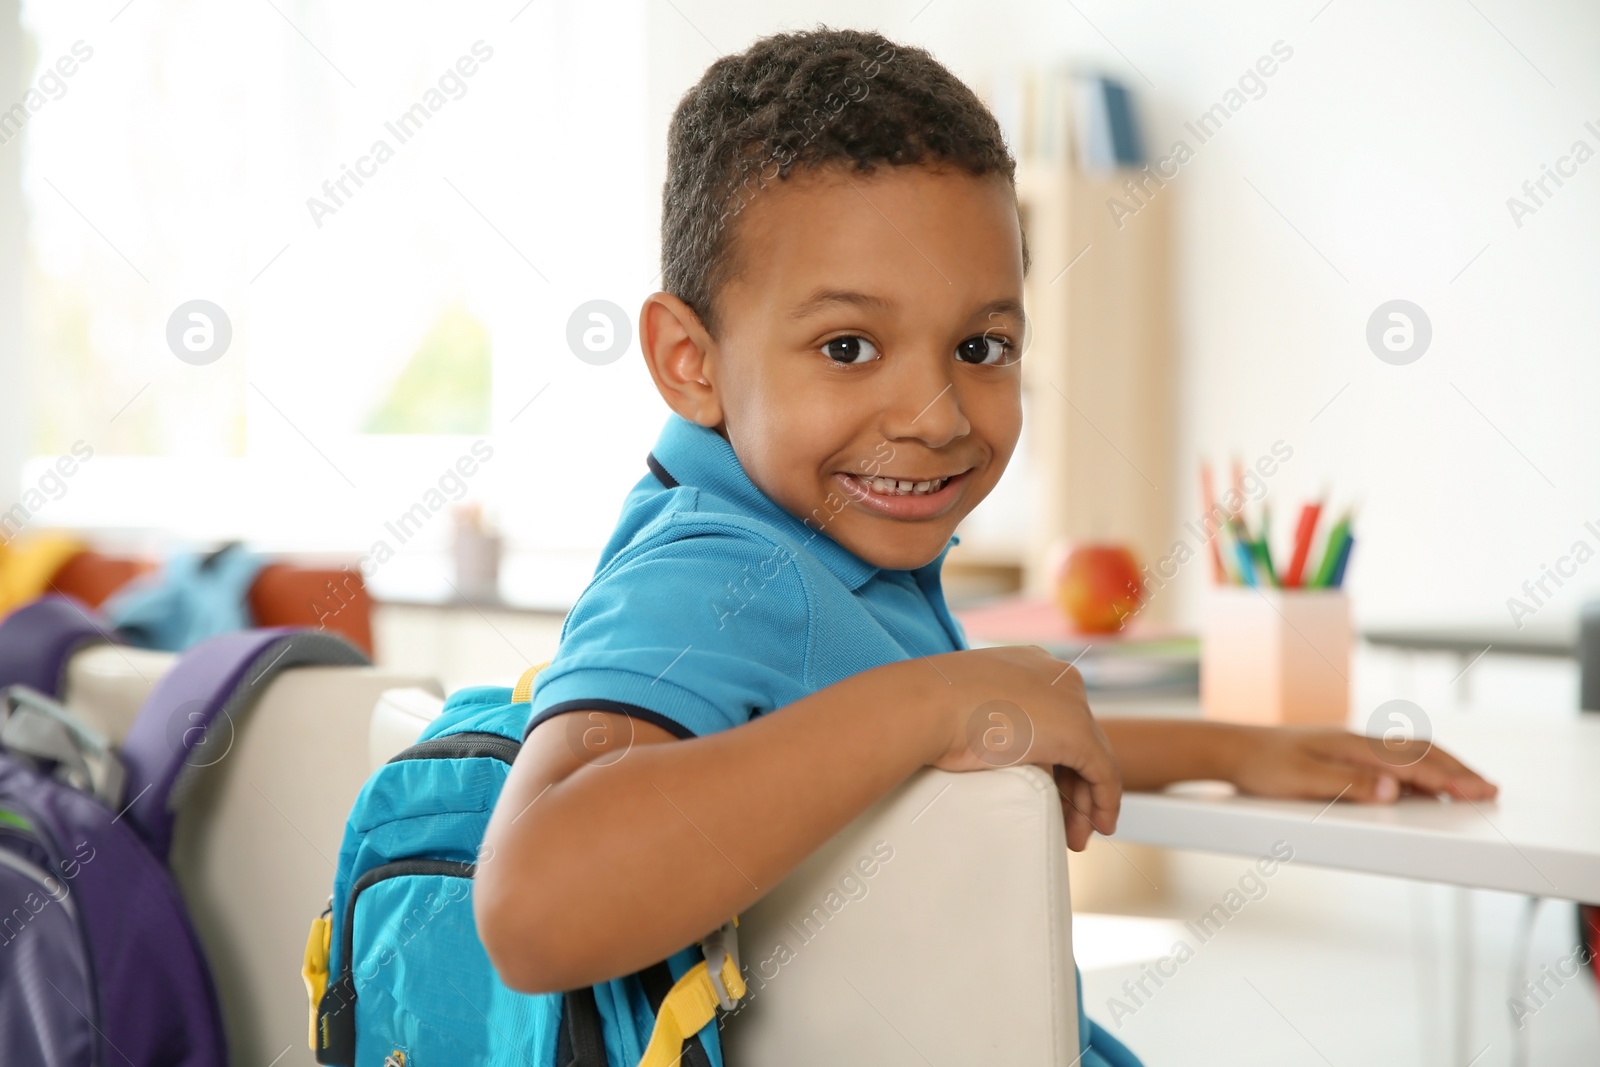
[
  {"x": 397, "y": 721},
  {"x": 92, "y": 576},
  {"x": 283, "y": 594},
  {"x": 107, "y": 685},
  {"x": 936, "y": 927},
  {"x": 333, "y": 599}
]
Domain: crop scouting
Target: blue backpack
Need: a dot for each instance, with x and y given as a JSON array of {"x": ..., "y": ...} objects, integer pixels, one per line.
[{"x": 396, "y": 973}]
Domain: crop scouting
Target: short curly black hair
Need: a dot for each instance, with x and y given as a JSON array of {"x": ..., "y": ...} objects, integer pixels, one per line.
[{"x": 808, "y": 99}]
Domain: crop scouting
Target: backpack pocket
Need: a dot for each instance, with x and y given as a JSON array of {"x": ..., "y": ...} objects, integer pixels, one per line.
[
  {"x": 39, "y": 931},
  {"x": 416, "y": 983}
]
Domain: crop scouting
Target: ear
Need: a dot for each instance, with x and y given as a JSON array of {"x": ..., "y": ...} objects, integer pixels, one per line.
[{"x": 676, "y": 349}]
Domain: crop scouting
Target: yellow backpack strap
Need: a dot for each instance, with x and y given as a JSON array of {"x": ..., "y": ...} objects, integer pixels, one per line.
[
  {"x": 524, "y": 690},
  {"x": 314, "y": 967},
  {"x": 693, "y": 1000}
]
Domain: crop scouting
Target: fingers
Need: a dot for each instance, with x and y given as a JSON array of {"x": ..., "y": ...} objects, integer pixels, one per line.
[
  {"x": 1080, "y": 809},
  {"x": 1438, "y": 773},
  {"x": 1075, "y": 807},
  {"x": 1083, "y": 800},
  {"x": 1420, "y": 765},
  {"x": 1308, "y": 777},
  {"x": 1373, "y": 787},
  {"x": 1104, "y": 800},
  {"x": 1098, "y": 797}
]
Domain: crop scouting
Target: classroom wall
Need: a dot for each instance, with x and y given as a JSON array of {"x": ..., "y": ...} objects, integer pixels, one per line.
[
  {"x": 1375, "y": 165},
  {"x": 13, "y": 377}
]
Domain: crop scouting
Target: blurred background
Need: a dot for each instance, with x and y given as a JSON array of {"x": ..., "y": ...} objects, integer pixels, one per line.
[
  {"x": 374, "y": 339},
  {"x": 380, "y": 390}
]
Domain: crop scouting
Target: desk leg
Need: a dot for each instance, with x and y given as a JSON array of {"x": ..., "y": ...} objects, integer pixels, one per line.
[
  {"x": 1427, "y": 964},
  {"x": 1461, "y": 911},
  {"x": 1464, "y": 680}
]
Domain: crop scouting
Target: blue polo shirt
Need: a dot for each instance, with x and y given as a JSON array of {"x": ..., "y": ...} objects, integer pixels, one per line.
[{"x": 713, "y": 605}]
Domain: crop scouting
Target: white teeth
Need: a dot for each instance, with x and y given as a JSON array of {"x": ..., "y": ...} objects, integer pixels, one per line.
[{"x": 898, "y": 487}]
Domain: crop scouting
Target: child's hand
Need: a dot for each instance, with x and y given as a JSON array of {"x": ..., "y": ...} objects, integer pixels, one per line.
[
  {"x": 1019, "y": 704},
  {"x": 1321, "y": 764}
]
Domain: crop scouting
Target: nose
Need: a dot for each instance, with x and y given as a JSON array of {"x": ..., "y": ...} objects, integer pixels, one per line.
[{"x": 925, "y": 404}]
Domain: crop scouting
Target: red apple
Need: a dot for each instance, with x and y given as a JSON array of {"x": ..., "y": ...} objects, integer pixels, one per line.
[{"x": 1098, "y": 587}]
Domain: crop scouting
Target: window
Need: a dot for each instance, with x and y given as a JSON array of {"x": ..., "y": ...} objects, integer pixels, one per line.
[{"x": 397, "y": 208}]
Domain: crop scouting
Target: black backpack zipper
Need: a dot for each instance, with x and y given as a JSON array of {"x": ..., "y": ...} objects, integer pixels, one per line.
[{"x": 470, "y": 745}]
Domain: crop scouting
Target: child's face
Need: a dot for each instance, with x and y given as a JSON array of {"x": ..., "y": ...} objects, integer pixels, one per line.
[{"x": 873, "y": 332}]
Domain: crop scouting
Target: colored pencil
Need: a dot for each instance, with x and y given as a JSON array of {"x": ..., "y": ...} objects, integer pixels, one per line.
[
  {"x": 1261, "y": 547},
  {"x": 1247, "y": 570},
  {"x": 1242, "y": 549},
  {"x": 1219, "y": 573},
  {"x": 1263, "y": 558},
  {"x": 1330, "y": 555},
  {"x": 1302, "y": 544},
  {"x": 1337, "y": 581}
]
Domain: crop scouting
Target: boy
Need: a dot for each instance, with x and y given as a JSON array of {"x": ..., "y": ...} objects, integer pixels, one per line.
[{"x": 764, "y": 650}]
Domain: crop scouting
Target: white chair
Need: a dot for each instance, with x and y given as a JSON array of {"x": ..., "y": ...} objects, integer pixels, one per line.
[
  {"x": 398, "y": 720},
  {"x": 936, "y": 927},
  {"x": 106, "y": 685},
  {"x": 958, "y": 949},
  {"x": 258, "y": 835}
]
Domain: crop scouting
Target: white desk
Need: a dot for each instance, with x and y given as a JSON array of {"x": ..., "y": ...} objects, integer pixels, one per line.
[{"x": 1540, "y": 837}]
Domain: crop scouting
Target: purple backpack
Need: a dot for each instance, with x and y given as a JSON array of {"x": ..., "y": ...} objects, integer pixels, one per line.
[
  {"x": 99, "y": 964},
  {"x": 39, "y": 638}
]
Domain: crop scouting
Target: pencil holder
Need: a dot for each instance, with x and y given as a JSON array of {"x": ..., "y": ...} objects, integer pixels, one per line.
[{"x": 1276, "y": 656}]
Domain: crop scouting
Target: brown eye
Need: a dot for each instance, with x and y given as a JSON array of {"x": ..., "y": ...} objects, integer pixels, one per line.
[
  {"x": 986, "y": 349},
  {"x": 850, "y": 350}
]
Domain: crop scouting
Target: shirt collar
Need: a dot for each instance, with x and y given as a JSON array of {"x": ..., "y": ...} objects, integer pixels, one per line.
[{"x": 694, "y": 455}]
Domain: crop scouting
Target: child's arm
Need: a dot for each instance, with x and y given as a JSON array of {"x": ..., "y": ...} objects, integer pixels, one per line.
[
  {"x": 600, "y": 860},
  {"x": 1285, "y": 761}
]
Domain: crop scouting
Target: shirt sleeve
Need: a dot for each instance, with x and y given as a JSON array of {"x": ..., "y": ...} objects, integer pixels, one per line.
[{"x": 696, "y": 634}]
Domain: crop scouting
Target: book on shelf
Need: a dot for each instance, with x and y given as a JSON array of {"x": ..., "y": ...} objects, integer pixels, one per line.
[{"x": 1054, "y": 116}]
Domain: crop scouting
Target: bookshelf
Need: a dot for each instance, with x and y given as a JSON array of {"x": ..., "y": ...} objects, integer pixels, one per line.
[
  {"x": 1098, "y": 376},
  {"x": 1099, "y": 371}
]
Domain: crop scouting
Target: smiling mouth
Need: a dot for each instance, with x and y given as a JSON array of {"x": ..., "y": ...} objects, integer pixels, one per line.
[{"x": 900, "y": 486}]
